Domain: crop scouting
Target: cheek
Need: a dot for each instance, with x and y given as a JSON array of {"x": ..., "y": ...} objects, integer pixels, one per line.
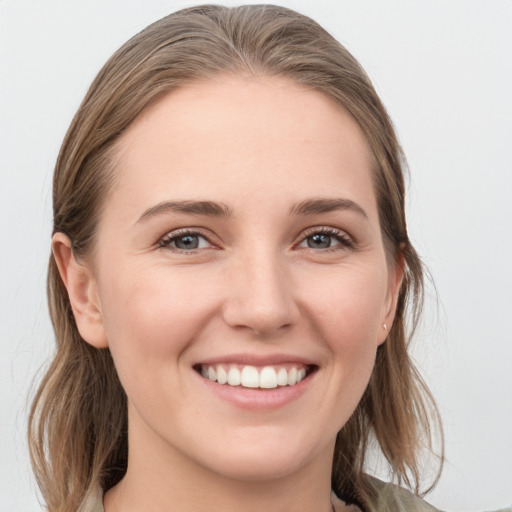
[
  {"x": 348, "y": 304},
  {"x": 151, "y": 316},
  {"x": 347, "y": 312}
]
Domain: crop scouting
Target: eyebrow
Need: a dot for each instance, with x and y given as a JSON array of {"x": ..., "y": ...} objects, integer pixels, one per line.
[
  {"x": 316, "y": 206},
  {"x": 207, "y": 208},
  {"x": 308, "y": 207}
]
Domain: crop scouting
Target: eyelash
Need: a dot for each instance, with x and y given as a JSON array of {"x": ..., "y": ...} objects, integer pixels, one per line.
[
  {"x": 345, "y": 241},
  {"x": 168, "y": 239}
]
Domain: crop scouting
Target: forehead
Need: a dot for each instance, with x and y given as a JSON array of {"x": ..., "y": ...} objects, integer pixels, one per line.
[{"x": 247, "y": 134}]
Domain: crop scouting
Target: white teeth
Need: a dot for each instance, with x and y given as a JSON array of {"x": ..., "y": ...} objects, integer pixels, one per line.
[
  {"x": 222, "y": 376},
  {"x": 282, "y": 377},
  {"x": 234, "y": 377},
  {"x": 268, "y": 378},
  {"x": 292, "y": 377},
  {"x": 248, "y": 376}
]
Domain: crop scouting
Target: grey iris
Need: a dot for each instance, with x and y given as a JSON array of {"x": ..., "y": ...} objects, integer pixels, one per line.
[
  {"x": 187, "y": 242},
  {"x": 319, "y": 241}
]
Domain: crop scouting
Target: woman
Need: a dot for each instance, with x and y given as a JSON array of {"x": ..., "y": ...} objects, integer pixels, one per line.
[{"x": 231, "y": 279}]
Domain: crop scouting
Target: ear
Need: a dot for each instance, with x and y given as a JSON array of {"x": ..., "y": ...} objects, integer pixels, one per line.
[
  {"x": 82, "y": 291},
  {"x": 396, "y": 275}
]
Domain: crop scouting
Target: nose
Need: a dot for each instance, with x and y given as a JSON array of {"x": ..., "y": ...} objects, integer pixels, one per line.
[{"x": 260, "y": 297}]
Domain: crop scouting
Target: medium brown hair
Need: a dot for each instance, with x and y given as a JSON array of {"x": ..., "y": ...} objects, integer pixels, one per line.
[{"x": 78, "y": 421}]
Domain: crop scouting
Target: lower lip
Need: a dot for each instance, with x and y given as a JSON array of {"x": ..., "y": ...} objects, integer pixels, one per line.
[{"x": 257, "y": 399}]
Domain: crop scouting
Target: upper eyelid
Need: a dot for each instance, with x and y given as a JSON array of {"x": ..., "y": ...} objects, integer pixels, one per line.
[
  {"x": 314, "y": 229},
  {"x": 326, "y": 229},
  {"x": 176, "y": 233},
  {"x": 193, "y": 230}
]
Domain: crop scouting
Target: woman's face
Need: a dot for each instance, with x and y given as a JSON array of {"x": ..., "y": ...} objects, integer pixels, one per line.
[{"x": 241, "y": 242}]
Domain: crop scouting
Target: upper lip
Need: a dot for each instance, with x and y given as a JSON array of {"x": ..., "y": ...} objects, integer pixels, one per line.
[{"x": 257, "y": 360}]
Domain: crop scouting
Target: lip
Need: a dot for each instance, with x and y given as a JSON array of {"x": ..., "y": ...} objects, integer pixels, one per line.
[
  {"x": 257, "y": 399},
  {"x": 257, "y": 360}
]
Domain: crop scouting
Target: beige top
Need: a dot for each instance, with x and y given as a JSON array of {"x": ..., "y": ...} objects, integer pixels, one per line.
[{"x": 391, "y": 499}]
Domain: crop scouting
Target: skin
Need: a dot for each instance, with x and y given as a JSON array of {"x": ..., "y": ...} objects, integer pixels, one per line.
[{"x": 253, "y": 287}]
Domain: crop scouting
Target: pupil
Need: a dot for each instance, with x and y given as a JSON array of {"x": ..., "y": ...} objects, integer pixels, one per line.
[
  {"x": 187, "y": 242},
  {"x": 319, "y": 241}
]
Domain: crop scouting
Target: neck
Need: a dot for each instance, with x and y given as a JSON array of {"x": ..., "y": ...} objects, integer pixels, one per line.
[{"x": 159, "y": 477}]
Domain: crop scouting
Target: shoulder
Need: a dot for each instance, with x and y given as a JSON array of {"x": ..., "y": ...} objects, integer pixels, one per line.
[
  {"x": 392, "y": 498},
  {"x": 396, "y": 499}
]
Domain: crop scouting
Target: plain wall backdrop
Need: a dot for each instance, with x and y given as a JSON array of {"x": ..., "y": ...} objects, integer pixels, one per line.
[{"x": 444, "y": 71}]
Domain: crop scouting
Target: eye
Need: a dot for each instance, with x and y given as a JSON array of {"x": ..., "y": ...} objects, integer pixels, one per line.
[
  {"x": 326, "y": 238},
  {"x": 185, "y": 241}
]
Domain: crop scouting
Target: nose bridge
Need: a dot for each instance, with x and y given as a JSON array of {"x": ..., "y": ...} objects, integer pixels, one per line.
[{"x": 261, "y": 295}]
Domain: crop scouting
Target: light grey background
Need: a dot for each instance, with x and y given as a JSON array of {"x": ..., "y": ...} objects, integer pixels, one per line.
[{"x": 444, "y": 70}]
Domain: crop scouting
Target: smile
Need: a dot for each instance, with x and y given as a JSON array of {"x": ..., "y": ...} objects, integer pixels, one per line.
[{"x": 248, "y": 376}]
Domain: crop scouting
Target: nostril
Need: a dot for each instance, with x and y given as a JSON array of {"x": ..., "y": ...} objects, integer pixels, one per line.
[{"x": 262, "y": 303}]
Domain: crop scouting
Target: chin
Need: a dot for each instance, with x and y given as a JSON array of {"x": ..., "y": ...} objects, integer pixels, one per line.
[
  {"x": 258, "y": 468},
  {"x": 264, "y": 458}
]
